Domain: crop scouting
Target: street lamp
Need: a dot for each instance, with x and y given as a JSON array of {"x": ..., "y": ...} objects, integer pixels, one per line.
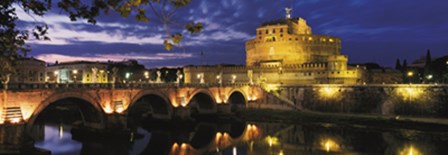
[{"x": 75, "y": 72}]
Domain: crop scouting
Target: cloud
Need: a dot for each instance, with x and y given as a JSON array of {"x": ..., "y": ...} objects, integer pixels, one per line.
[
  {"x": 51, "y": 57},
  {"x": 62, "y": 31}
]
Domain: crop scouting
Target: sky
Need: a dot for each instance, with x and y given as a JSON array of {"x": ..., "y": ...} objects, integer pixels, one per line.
[{"x": 378, "y": 31}]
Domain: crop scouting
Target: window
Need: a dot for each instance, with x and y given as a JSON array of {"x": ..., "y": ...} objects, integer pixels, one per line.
[
  {"x": 281, "y": 30},
  {"x": 273, "y": 31},
  {"x": 267, "y": 31}
]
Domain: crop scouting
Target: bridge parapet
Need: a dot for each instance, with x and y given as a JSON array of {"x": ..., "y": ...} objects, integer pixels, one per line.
[{"x": 117, "y": 85}]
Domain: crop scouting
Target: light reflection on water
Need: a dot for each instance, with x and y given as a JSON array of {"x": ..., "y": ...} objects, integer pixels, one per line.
[
  {"x": 59, "y": 142},
  {"x": 258, "y": 138}
]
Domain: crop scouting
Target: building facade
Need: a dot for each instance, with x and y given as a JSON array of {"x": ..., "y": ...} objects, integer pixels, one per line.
[
  {"x": 29, "y": 70},
  {"x": 78, "y": 72},
  {"x": 285, "y": 52}
]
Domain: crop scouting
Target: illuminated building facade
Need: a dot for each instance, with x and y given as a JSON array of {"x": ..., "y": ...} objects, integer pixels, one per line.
[
  {"x": 78, "y": 72},
  {"x": 286, "y": 52},
  {"x": 29, "y": 70}
]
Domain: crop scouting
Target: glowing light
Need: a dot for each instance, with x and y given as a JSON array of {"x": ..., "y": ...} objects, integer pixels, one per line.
[
  {"x": 281, "y": 152},
  {"x": 184, "y": 146},
  {"x": 410, "y": 150},
  {"x": 183, "y": 101},
  {"x": 251, "y": 132},
  {"x": 253, "y": 98},
  {"x": 272, "y": 140},
  {"x": 429, "y": 77},
  {"x": 410, "y": 73},
  {"x": 119, "y": 109},
  {"x": 328, "y": 92},
  {"x": 234, "y": 76},
  {"x": 15, "y": 120},
  {"x": 329, "y": 145},
  {"x": 146, "y": 73},
  {"x": 410, "y": 92},
  {"x": 331, "y": 40},
  {"x": 127, "y": 75},
  {"x": 234, "y": 151},
  {"x": 75, "y": 71},
  {"x": 271, "y": 87},
  {"x": 61, "y": 131},
  {"x": 55, "y": 72},
  {"x": 108, "y": 109},
  {"x": 174, "y": 147}
]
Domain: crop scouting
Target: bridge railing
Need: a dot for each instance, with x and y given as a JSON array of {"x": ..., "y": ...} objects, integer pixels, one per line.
[{"x": 27, "y": 86}]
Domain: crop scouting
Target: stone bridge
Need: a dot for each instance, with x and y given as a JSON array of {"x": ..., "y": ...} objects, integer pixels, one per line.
[
  {"x": 423, "y": 100},
  {"x": 24, "y": 103}
]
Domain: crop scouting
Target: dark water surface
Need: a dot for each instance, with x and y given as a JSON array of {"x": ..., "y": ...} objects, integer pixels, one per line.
[{"x": 252, "y": 138}]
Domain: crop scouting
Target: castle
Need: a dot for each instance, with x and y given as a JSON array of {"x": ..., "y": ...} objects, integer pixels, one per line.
[{"x": 284, "y": 52}]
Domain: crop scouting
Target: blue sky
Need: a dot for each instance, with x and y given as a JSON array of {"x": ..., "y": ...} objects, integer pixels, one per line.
[{"x": 371, "y": 30}]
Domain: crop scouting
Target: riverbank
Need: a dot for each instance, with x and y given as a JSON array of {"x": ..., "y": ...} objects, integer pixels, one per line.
[{"x": 356, "y": 120}]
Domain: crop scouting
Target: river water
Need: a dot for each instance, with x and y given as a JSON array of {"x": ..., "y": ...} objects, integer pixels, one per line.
[{"x": 251, "y": 138}]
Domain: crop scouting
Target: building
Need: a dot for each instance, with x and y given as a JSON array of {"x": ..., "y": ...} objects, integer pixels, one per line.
[
  {"x": 29, "y": 70},
  {"x": 78, "y": 72},
  {"x": 285, "y": 52}
]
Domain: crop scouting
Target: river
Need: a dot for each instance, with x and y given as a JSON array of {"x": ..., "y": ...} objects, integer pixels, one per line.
[{"x": 250, "y": 138}]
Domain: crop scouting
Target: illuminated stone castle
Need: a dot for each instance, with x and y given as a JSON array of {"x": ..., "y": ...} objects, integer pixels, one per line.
[{"x": 285, "y": 52}]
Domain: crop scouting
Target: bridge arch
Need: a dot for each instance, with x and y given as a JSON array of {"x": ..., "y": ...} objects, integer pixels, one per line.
[
  {"x": 202, "y": 102},
  {"x": 87, "y": 101},
  {"x": 151, "y": 102},
  {"x": 237, "y": 100}
]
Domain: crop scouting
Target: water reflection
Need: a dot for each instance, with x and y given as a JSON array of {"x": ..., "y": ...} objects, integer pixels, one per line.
[
  {"x": 249, "y": 138},
  {"x": 58, "y": 139}
]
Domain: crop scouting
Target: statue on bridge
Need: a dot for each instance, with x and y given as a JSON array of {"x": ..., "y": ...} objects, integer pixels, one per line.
[
  {"x": 94, "y": 72},
  {"x": 179, "y": 76},
  {"x": 159, "y": 77},
  {"x": 250, "y": 75}
]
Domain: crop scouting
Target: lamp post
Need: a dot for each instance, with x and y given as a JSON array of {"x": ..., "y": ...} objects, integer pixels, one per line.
[
  {"x": 446, "y": 72},
  {"x": 75, "y": 72},
  {"x": 410, "y": 74}
]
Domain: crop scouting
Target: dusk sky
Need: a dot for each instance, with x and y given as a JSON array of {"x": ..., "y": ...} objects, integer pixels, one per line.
[{"x": 371, "y": 31}]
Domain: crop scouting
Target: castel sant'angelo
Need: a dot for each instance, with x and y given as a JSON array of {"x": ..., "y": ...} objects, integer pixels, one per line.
[{"x": 286, "y": 52}]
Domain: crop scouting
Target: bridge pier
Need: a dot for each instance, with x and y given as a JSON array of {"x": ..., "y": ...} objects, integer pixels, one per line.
[
  {"x": 224, "y": 108},
  {"x": 182, "y": 112},
  {"x": 116, "y": 121}
]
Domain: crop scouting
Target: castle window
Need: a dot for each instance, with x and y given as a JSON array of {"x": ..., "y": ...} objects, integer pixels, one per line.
[
  {"x": 259, "y": 32},
  {"x": 297, "y": 39},
  {"x": 289, "y": 39},
  {"x": 267, "y": 31},
  {"x": 273, "y": 31},
  {"x": 281, "y": 35},
  {"x": 281, "y": 30}
]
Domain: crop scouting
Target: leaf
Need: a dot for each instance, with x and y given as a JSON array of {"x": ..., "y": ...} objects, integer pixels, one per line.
[
  {"x": 194, "y": 27},
  {"x": 125, "y": 9},
  {"x": 141, "y": 16},
  {"x": 168, "y": 45},
  {"x": 136, "y": 2},
  {"x": 176, "y": 38},
  {"x": 180, "y": 3}
]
